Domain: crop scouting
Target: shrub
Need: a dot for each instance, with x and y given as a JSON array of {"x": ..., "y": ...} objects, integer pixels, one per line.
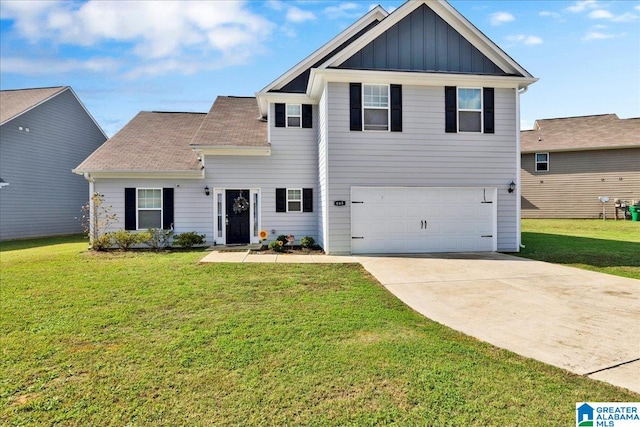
[
  {"x": 189, "y": 239},
  {"x": 277, "y": 245},
  {"x": 282, "y": 238},
  {"x": 156, "y": 238},
  {"x": 125, "y": 239},
  {"x": 307, "y": 242},
  {"x": 101, "y": 242}
]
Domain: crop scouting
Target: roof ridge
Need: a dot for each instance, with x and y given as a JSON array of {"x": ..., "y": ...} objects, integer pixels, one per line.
[{"x": 34, "y": 88}]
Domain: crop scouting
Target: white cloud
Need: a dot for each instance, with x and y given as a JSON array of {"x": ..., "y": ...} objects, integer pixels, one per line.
[
  {"x": 149, "y": 29},
  {"x": 597, "y": 35},
  {"x": 600, "y": 14},
  {"x": 525, "y": 39},
  {"x": 298, "y": 15},
  {"x": 275, "y": 4},
  {"x": 625, "y": 17},
  {"x": 343, "y": 10},
  {"x": 581, "y": 6},
  {"x": 57, "y": 66},
  {"x": 499, "y": 18},
  {"x": 550, "y": 14},
  {"x": 637, "y": 7}
]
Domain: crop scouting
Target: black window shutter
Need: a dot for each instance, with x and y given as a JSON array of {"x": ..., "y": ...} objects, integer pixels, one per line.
[
  {"x": 281, "y": 199},
  {"x": 280, "y": 115},
  {"x": 396, "y": 108},
  {"x": 489, "y": 114},
  {"x": 450, "y": 109},
  {"x": 355, "y": 106},
  {"x": 307, "y": 115},
  {"x": 167, "y": 208},
  {"x": 307, "y": 200},
  {"x": 129, "y": 208}
]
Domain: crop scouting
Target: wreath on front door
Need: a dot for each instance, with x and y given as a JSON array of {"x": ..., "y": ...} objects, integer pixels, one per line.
[{"x": 240, "y": 204}]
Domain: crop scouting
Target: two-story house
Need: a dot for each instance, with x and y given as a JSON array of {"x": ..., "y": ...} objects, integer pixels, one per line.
[
  {"x": 399, "y": 135},
  {"x": 44, "y": 133}
]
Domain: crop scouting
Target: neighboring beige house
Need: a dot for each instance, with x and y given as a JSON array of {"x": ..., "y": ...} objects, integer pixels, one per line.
[{"x": 568, "y": 163}]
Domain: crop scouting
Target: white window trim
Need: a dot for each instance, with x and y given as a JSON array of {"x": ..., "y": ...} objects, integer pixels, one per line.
[
  {"x": 473, "y": 110},
  {"x": 293, "y": 200},
  {"x": 287, "y": 115},
  {"x": 138, "y": 209},
  {"x": 547, "y": 162},
  {"x": 388, "y": 108}
]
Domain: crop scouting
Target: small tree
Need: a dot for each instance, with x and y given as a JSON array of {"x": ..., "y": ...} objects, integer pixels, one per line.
[{"x": 96, "y": 218}]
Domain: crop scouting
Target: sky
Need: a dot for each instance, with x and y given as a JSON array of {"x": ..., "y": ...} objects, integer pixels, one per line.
[{"x": 122, "y": 57}]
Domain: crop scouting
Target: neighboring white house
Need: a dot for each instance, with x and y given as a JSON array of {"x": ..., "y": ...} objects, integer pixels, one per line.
[
  {"x": 399, "y": 135},
  {"x": 44, "y": 133}
]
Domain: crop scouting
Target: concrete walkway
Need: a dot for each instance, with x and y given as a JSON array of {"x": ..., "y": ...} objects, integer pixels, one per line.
[{"x": 585, "y": 322}]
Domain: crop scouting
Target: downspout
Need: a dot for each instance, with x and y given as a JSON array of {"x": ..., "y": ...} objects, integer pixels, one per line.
[
  {"x": 89, "y": 178},
  {"x": 518, "y": 170}
]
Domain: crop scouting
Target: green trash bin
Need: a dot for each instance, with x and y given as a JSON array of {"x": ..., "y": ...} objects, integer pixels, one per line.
[{"x": 635, "y": 213}]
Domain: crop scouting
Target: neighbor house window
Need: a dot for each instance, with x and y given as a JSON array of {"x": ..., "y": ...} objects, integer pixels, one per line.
[
  {"x": 294, "y": 200},
  {"x": 375, "y": 107},
  {"x": 149, "y": 208},
  {"x": 542, "y": 162},
  {"x": 469, "y": 110},
  {"x": 294, "y": 115}
]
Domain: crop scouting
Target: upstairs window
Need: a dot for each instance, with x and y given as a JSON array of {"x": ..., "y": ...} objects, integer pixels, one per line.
[
  {"x": 469, "y": 110},
  {"x": 294, "y": 115},
  {"x": 375, "y": 111},
  {"x": 542, "y": 162}
]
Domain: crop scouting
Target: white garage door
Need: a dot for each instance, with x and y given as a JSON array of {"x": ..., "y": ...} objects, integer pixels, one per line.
[{"x": 414, "y": 220}]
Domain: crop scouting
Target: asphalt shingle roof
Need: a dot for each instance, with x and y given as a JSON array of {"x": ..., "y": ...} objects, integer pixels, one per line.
[
  {"x": 150, "y": 142},
  {"x": 581, "y": 133},
  {"x": 232, "y": 121},
  {"x": 17, "y": 101}
]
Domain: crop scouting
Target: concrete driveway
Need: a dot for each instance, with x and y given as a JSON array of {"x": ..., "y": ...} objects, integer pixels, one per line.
[{"x": 585, "y": 322}]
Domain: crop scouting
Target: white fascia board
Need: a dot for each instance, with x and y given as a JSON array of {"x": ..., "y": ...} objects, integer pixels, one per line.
[
  {"x": 450, "y": 16},
  {"x": 319, "y": 77},
  {"x": 564, "y": 150},
  {"x": 230, "y": 150},
  {"x": 142, "y": 174},
  {"x": 265, "y": 98},
  {"x": 377, "y": 13}
]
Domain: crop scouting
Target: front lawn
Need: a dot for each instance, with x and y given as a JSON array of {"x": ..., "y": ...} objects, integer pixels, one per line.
[
  {"x": 611, "y": 247},
  {"x": 143, "y": 339}
]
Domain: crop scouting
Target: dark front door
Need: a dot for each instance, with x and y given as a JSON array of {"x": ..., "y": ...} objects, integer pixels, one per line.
[{"x": 237, "y": 216}]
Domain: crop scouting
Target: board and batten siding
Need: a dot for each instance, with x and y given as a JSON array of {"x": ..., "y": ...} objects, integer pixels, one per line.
[
  {"x": 192, "y": 209},
  {"x": 293, "y": 163},
  {"x": 575, "y": 180},
  {"x": 422, "y": 155},
  {"x": 44, "y": 198}
]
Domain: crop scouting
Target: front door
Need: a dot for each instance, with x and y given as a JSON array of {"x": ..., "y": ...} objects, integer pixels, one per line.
[{"x": 237, "y": 216}]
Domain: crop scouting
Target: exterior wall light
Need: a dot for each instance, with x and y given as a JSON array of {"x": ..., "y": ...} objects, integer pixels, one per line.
[
  {"x": 512, "y": 186},
  {"x": 206, "y": 190}
]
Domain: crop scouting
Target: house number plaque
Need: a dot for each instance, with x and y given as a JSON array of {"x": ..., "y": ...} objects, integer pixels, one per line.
[{"x": 339, "y": 203}]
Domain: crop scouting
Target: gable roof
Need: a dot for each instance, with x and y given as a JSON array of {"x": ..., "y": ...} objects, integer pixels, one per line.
[
  {"x": 16, "y": 102},
  {"x": 377, "y": 29},
  {"x": 606, "y": 131},
  {"x": 150, "y": 142},
  {"x": 232, "y": 121}
]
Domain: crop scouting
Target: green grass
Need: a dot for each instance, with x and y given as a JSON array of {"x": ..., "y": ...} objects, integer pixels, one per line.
[
  {"x": 611, "y": 247},
  {"x": 143, "y": 339}
]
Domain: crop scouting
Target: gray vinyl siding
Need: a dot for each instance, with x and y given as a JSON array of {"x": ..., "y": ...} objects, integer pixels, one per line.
[
  {"x": 422, "y": 41},
  {"x": 423, "y": 155},
  {"x": 44, "y": 197},
  {"x": 193, "y": 210},
  {"x": 293, "y": 163},
  {"x": 575, "y": 180}
]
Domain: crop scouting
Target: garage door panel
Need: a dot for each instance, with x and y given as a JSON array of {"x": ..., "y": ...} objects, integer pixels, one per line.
[{"x": 412, "y": 220}]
